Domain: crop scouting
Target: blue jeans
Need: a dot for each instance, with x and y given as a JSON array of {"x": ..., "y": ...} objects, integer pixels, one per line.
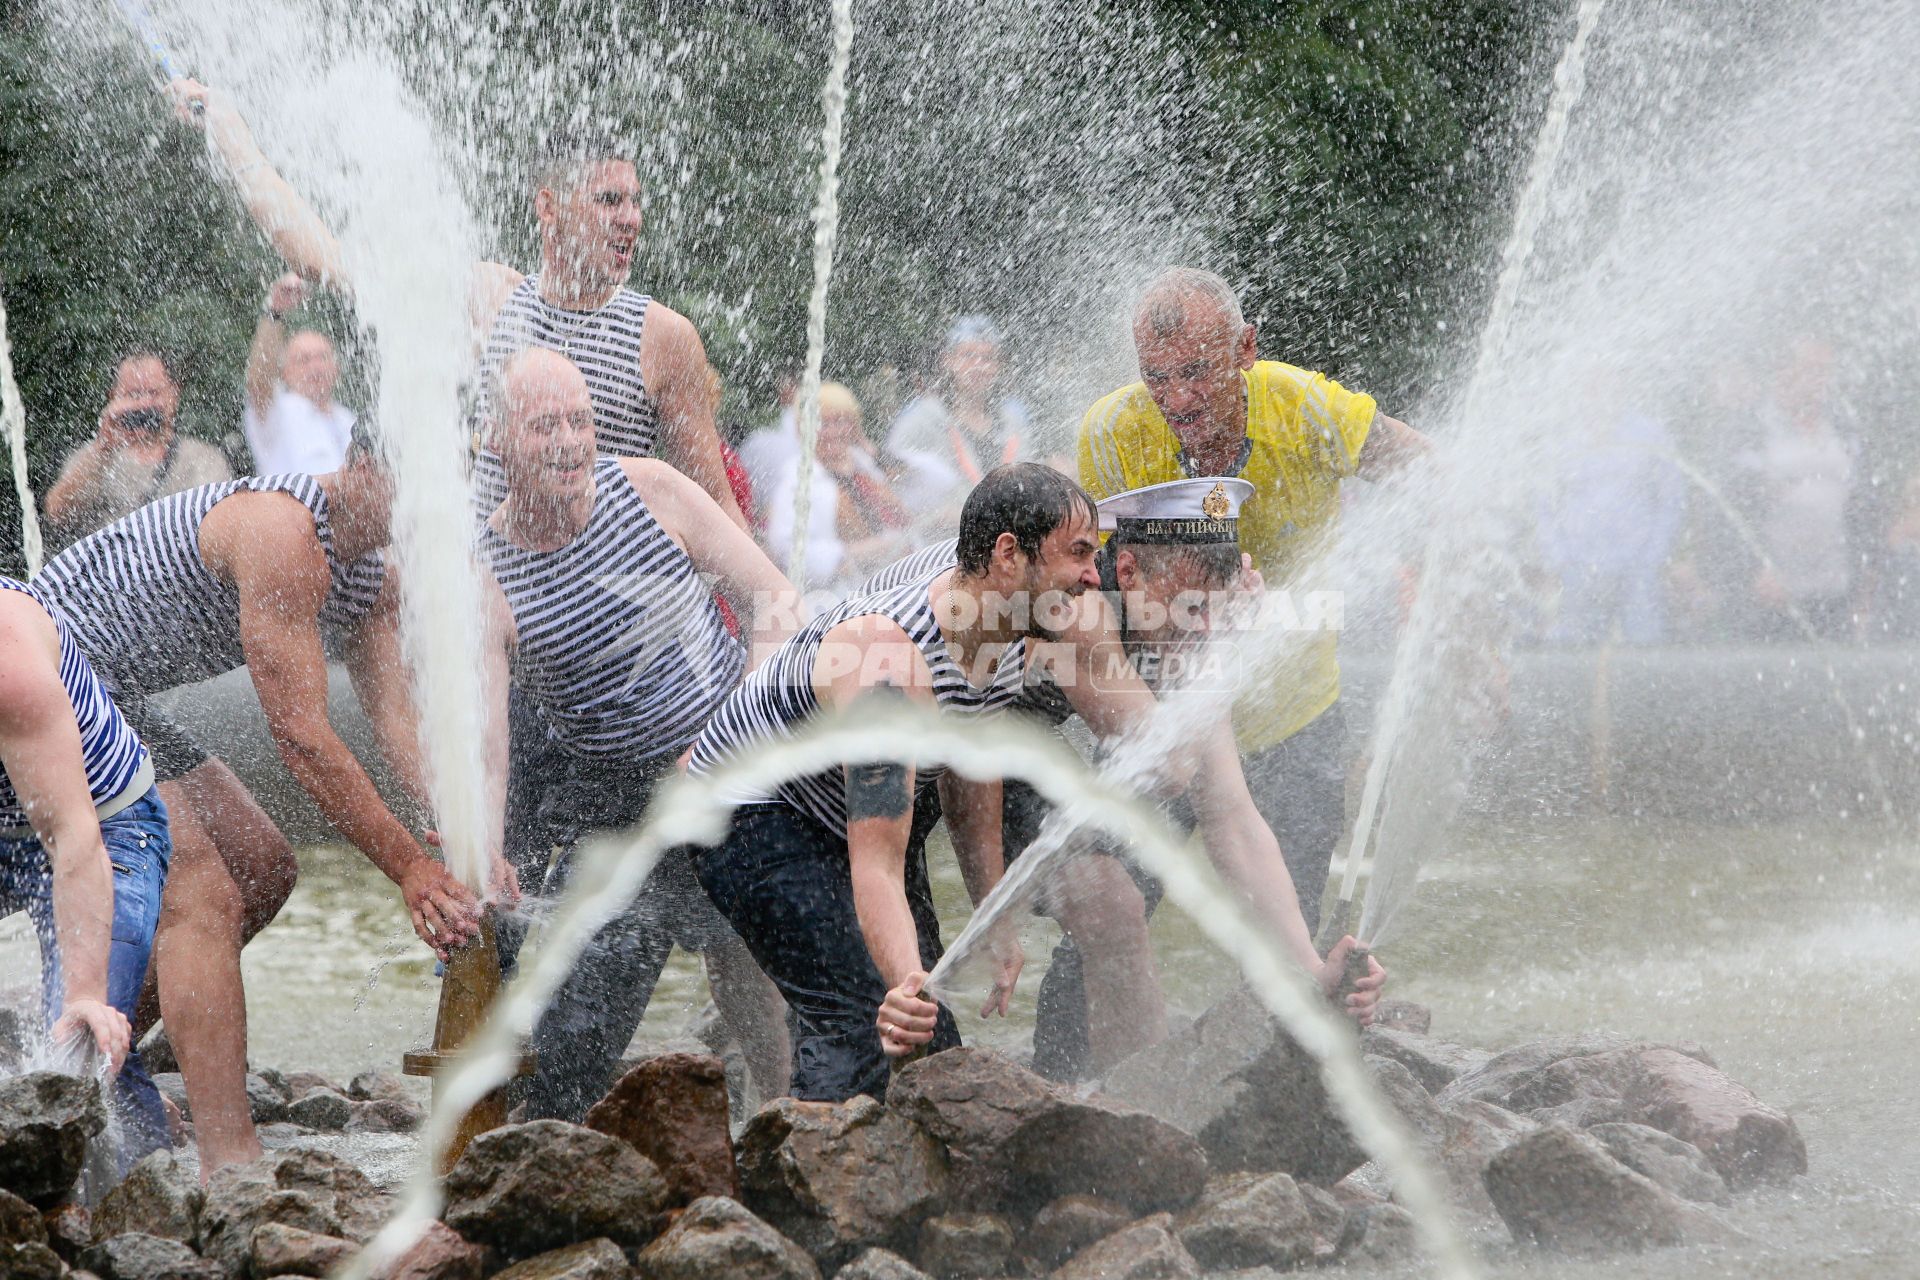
[{"x": 139, "y": 846}]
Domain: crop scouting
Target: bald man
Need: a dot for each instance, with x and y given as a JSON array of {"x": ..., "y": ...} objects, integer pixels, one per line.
[
  {"x": 1207, "y": 405},
  {"x": 293, "y": 423},
  {"x": 619, "y": 655}
]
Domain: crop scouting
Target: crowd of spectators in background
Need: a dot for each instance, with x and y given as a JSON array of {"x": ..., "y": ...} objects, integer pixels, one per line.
[{"x": 1795, "y": 530}]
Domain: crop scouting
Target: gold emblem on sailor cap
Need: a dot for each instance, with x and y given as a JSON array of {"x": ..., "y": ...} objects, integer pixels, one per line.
[{"x": 1216, "y": 505}]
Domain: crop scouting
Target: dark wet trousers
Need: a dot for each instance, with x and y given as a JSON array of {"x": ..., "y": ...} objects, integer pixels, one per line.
[
  {"x": 1299, "y": 787},
  {"x": 554, "y": 800},
  {"x": 785, "y": 882}
]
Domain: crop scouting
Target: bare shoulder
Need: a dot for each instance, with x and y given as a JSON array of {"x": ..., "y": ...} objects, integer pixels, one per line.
[
  {"x": 487, "y": 290},
  {"x": 25, "y": 622},
  {"x": 265, "y": 539},
  {"x": 669, "y": 336}
]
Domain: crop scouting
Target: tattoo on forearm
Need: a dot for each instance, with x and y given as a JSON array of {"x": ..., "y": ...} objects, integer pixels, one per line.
[{"x": 878, "y": 789}]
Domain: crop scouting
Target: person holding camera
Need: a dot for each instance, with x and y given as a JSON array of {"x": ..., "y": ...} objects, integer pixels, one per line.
[{"x": 134, "y": 457}]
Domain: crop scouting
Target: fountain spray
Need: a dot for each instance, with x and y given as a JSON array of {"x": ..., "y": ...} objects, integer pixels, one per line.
[
  {"x": 13, "y": 415},
  {"x": 696, "y": 810},
  {"x": 826, "y": 226},
  {"x": 1396, "y": 862}
]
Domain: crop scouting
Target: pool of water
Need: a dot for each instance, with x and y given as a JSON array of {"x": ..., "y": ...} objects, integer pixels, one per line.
[{"x": 1789, "y": 952}]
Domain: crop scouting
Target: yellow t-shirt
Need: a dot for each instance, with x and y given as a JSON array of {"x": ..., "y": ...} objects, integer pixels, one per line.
[{"x": 1306, "y": 433}]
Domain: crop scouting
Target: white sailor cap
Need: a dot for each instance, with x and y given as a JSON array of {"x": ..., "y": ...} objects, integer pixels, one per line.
[{"x": 1201, "y": 510}]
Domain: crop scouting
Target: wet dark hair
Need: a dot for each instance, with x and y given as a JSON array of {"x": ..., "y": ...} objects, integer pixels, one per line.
[
  {"x": 1024, "y": 499},
  {"x": 1218, "y": 562},
  {"x": 567, "y": 151}
]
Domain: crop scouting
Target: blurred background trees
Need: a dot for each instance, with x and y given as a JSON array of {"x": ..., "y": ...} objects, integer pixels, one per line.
[{"x": 1348, "y": 164}]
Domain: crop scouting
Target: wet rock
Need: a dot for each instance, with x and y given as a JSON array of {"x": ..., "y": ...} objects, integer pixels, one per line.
[
  {"x": 34, "y": 1262},
  {"x": 156, "y": 1053},
  {"x": 134, "y": 1256},
  {"x": 1562, "y": 1189},
  {"x": 281, "y": 1133},
  {"x": 1147, "y": 1250},
  {"x": 1330, "y": 1234},
  {"x": 267, "y": 1102},
  {"x": 69, "y": 1229},
  {"x": 302, "y": 1083},
  {"x": 1404, "y": 1016},
  {"x": 20, "y": 1222},
  {"x": 160, "y": 1196},
  {"x": 1069, "y": 1225},
  {"x": 1746, "y": 1140},
  {"x": 386, "y": 1115},
  {"x": 971, "y": 1101},
  {"x": 672, "y": 1109},
  {"x": 1248, "y": 1220},
  {"x": 1678, "y": 1166},
  {"x": 370, "y": 1086},
  {"x": 1434, "y": 1063},
  {"x": 966, "y": 1246},
  {"x": 839, "y": 1178},
  {"x": 1476, "y": 1133},
  {"x": 322, "y": 1109},
  {"x": 173, "y": 1087},
  {"x": 1018, "y": 1141},
  {"x": 45, "y": 1121},
  {"x": 1413, "y": 1103},
  {"x": 1384, "y": 1235},
  {"x": 280, "y": 1250},
  {"x": 1251, "y": 1095},
  {"x": 1500, "y": 1076},
  {"x": 313, "y": 1190},
  {"x": 439, "y": 1254},
  {"x": 880, "y": 1264},
  {"x": 716, "y": 1236},
  {"x": 588, "y": 1260},
  {"x": 528, "y": 1188}
]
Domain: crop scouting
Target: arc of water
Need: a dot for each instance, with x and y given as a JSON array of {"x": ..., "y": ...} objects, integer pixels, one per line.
[
  {"x": 1569, "y": 83},
  {"x": 13, "y": 414},
  {"x": 695, "y": 810},
  {"x": 826, "y": 229}
]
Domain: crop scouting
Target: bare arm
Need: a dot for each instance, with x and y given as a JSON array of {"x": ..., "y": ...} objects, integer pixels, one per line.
[
  {"x": 880, "y": 818},
  {"x": 71, "y": 499},
  {"x": 1101, "y": 685},
  {"x": 673, "y": 363},
  {"x": 290, "y": 224},
  {"x": 378, "y": 667},
  {"x": 1391, "y": 445},
  {"x": 720, "y": 549},
  {"x": 270, "y": 340},
  {"x": 277, "y": 568},
  {"x": 1244, "y": 851},
  {"x": 972, "y": 811},
  {"x": 40, "y": 749}
]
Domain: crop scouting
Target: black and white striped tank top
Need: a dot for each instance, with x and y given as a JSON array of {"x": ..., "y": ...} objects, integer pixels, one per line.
[
  {"x": 1039, "y": 697},
  {"x": 621, "y": 646},
  {"x": 604, "y": 342},
  {"x": 777, "y": 698},
  {"x": 112, "y": 752},
  {"x": 152, "y": 616}
]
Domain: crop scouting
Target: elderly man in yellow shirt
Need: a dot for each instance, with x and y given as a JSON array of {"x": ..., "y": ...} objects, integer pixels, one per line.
[{"x": 1207, "y": 405}]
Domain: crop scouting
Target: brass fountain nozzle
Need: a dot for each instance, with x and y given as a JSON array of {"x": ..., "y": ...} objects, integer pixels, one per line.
[{"x": 468, "y": 988}]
